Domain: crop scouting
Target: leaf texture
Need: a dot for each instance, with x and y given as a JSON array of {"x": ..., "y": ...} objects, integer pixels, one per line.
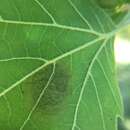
[{"x": 57, "y": 69}]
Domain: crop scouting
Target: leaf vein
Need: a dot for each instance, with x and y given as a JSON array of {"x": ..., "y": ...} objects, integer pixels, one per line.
[
  {"x": 78, "y": 12},
  {"x": 45, "y": 10},
  {"x": 38, "y": 100},
  {"x": 84, "y": 84},
  {"x": 48, "y": 63},
  {"x": 99, "y": 102}
]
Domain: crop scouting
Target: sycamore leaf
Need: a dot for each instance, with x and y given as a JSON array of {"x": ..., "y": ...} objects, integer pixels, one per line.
[
  {"x": 57, "y": 69},
  {"x": 126, "y": 20}
]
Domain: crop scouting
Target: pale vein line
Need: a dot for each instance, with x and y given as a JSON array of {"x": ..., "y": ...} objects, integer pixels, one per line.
[
  {"x": 16, "y": 9},
  {"x": 108, "y": 59},
  {"x": 54, "y": 42},
  {"x": 109, "y": 83},
  {"x": 20, "y": 91},
  {"x": 47, "y": 63},
  {"x": 5, "y": 30},
  {"x": 9, "y": 108},
  {"x": 98, "y": 19},
  {"x": 9, "y": 47},
  {"x": 89, "y": 116},
  {"x": 40, "y": 41},
  {"x": 23, "y": 58},
  {"x": 110, "y": 19},
  {"x": 112, "y": 47},
  {"x": 71, "y": 62},
  {"x": 100, "y": 24},
  {"x": 105, "y": 14},
  {"x": 53, "y": 25},
  {"x": 84, "y": 84},
  {"x": 24, "y": 43},
  {"x": 46, "y": 11},
  {"x": 7, "y": 41},
  {"x": 39, "y": 98},
  {"x": 78, "y": 12},
  {"x": 99, "y": 102},
  {"x": 57, "y": 48}
]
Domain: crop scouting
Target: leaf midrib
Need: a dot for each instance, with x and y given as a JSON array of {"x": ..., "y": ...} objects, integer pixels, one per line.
[{"x": 50, "y": 62}]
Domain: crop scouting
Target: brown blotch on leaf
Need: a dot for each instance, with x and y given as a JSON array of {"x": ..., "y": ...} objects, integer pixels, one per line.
[{"x": 56, "y": 92}]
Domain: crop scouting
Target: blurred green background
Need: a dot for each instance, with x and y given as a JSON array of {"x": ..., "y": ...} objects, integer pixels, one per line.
[{"x": 122, "y": 53}]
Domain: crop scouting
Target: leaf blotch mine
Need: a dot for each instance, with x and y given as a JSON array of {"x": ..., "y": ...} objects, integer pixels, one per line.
[{"x": 56, "y": 92}]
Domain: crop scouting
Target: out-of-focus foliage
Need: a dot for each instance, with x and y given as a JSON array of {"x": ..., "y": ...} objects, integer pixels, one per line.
[
  {"x": 117, "y": 9},
  {"x": 124, "y": 83},
  {"x": 125, "y": 33}
]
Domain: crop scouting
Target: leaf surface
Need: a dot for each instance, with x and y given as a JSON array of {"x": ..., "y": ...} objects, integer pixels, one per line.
[{"x": 57, "y": 69}]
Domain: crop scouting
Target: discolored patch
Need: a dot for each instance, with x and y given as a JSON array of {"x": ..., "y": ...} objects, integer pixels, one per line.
[{"x": 55, "y": 93}]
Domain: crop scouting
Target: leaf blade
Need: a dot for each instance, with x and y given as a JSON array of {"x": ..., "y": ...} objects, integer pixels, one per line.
[{"x": 73, "y": 43}]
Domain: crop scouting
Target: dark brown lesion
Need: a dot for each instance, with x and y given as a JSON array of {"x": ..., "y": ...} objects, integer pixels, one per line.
[{"x": 57, "y": 90}]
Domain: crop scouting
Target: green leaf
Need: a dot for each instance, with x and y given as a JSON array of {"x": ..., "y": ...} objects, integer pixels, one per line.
[
  {"x": 126, "y": 20},
  {"x": 117, "y": 9},
  {"x": 57, "y": 68},
  {"x": 109, "y": 4}
]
